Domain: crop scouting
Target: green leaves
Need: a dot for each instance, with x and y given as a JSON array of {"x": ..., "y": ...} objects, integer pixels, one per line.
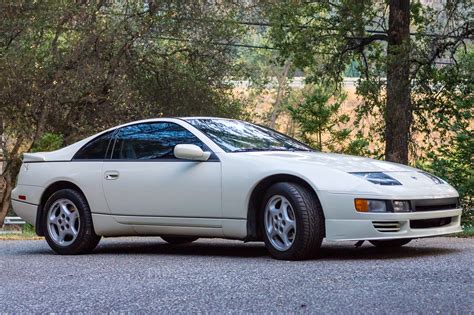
[
  {"x": 73, "y": 68},
  {"x": 48, "y": 142},
  {"x": 318, "y": 117}
]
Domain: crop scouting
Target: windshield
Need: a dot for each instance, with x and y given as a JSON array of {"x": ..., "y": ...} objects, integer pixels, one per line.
[{"x": 241, "y": 136}]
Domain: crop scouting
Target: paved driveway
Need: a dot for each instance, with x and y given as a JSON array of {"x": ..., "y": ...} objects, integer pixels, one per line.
[{"x": 145, "y": 274}]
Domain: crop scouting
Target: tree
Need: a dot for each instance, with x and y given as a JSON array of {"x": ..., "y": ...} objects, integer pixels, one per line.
[
  {"x": 398, "y": 113},
  {"x": 449, "y": 149},
  {"x": 316, "y": 110},
  {"x": 318, "y": 116},
  {"x": 390, "y": 58},
  {"x": 265, "y": 76},
  {"x": 75, "y": 67}
]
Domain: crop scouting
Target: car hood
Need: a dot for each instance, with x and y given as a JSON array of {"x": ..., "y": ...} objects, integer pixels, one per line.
[
  {"x": 330, "y": 172},
  {"x": 345, "y": 163}
]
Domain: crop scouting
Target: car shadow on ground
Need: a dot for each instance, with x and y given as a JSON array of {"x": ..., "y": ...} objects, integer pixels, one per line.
[{"x": 252, "y": 250}]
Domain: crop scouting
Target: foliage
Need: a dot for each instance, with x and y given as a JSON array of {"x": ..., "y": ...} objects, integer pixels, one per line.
[
  {"x": 68, "y": 63},
  {"x": 450, "y": 144},
  {"x": 76, "y": 67},
  {"x": 316, "y": 115},
  {"x": 455, "y": 166},
  {"x": 326, "y": 37},
  {"x": 264, "y": 76},
  {"x": 28, "y": 229},
  {"x": 320, "y": 121},
  {"x": 48, "y": 142}
]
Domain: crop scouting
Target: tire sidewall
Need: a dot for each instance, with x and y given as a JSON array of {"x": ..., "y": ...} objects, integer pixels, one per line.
[{"x": 293, "y": 196}]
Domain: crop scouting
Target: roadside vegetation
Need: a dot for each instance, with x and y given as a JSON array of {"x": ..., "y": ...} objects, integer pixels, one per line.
[
  {"x": 69, "y": 69},
  {"x": 25, "y": 232}
]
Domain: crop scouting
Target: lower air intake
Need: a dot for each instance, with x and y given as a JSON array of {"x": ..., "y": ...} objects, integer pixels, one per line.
[
  {"x": 387, "y": 226},
  {"x": 429, "y": 223}
]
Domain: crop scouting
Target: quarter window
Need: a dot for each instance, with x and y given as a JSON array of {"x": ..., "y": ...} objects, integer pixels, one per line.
[
  {"x": 95, "y": 149},
  {"x": 151, "y": 141}
]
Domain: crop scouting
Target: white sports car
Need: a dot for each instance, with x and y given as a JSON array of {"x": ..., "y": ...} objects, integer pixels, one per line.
[{"x": 182, "y": 179}]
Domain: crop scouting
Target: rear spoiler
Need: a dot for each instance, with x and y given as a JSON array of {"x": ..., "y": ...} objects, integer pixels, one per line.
[{"x": 33, "y": 157}]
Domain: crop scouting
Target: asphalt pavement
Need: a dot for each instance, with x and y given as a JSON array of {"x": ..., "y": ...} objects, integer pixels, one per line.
[{"x": 216, "y": 276}]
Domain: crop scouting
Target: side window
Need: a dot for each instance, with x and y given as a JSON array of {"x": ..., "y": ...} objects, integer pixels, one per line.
[
  {"x": 150, "y": 141},
  {"x": 95, "y": 149}
]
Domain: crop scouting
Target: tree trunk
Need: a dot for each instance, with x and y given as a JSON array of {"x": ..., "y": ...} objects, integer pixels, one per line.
[
  {"x": 5, "y": 200},
  {"x": 282, "y": 80},
  {"x": 398, "y": 113},
  {"x": 3, "y": 185},
  {"x": 11, "y": 164}
]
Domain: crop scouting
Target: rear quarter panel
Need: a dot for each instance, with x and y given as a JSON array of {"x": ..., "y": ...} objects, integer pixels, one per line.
[{"x": 35, "y": 178}]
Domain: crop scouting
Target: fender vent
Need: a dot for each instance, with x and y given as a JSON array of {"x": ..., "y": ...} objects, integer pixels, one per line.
[{"x": 387, "y": 226}]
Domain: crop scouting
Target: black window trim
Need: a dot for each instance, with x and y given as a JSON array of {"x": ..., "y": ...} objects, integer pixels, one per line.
[
  {"x": 110, "y": 132},
  {"x": 212, "y": 158}
]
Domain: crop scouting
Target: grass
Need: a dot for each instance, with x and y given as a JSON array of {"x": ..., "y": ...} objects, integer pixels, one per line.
[
  {"x": 468, "y": 231},
  {"x": 26, "y": 235}
]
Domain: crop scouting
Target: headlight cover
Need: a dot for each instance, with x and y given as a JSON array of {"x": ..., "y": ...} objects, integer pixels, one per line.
[
  {"x": 370, "y": 205},
  {"x": 378, "y": 178},
  {"x": 435, "y": 179},
  {"x": 382, "y": 206},
  {"x": 401, "y": 206}
]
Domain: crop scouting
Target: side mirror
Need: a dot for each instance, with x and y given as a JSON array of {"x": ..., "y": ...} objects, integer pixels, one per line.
[{"x": 190, "y": 152}]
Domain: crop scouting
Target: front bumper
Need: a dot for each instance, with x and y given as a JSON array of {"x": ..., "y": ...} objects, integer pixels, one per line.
[
  {"x": 344, "y": 223},
  {"x": 391, "y": 226}
]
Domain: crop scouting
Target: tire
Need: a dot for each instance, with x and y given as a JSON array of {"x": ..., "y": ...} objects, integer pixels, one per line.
[
  {"x": 302, "y": 222},
  {"x": 178, "y": 240},
  {"x": 77, "y": 234},
  {"x": 390, "y": 243}
]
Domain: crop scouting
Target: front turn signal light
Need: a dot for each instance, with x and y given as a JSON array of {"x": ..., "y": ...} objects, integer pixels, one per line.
[
  {"x": 370, "y": 205},
  {"x": 362, "y": 205}
]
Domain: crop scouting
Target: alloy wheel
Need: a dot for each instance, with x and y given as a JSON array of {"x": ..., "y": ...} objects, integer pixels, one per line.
[
  {"x": 280, "y": 223},
  {"x": 63, "y": 222}
]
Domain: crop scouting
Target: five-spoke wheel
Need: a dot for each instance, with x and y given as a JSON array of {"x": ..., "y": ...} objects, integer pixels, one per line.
[
  {"x": 64, "y": 222},
  {"x": 280, "y": 224},
  {"x": 292, "y": 221},
  {"x": 68, "y": 223}
]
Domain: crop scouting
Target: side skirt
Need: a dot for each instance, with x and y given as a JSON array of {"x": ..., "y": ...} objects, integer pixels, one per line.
[{"x": 113, "y": 225}]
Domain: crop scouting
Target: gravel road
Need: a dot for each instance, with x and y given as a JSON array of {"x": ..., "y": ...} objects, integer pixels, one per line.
[{"x": 216, "y": 276}]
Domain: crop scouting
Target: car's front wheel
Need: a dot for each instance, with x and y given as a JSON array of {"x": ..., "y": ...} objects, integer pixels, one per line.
[
  {"x": 390, "y": 243},
  {"x": 68, "y": 223},
  {"x": 292, "y": 221}
]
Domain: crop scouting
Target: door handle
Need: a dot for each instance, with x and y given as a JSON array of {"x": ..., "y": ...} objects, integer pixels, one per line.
[{"x": 111, "y": 175}]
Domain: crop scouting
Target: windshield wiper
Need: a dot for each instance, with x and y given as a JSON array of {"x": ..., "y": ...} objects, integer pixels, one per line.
[
  {"x": 251, "y": 150},
  {"x": 267, "y": 149}
]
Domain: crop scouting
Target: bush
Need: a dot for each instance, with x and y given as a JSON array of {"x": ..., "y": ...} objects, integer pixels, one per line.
[
  {"x": 48, "y": 142},
  {"x": 453, "y": 163}
]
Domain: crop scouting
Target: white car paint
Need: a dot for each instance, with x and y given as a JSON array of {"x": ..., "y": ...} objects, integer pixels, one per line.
[{"x": 211, "y": 199}]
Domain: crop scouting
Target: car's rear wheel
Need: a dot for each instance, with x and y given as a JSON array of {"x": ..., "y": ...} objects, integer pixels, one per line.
[
  {"x": 292, "y": 221},
  {"x": 68, "y": 223},
  {"x": 177, "y": 240},
  {"x": 390, "y": 243}
]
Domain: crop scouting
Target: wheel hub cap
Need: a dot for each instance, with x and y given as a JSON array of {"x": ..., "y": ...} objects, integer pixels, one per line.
[
  {"x": 63, "y": 222},
  {"x": 280, "y": 224}
]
